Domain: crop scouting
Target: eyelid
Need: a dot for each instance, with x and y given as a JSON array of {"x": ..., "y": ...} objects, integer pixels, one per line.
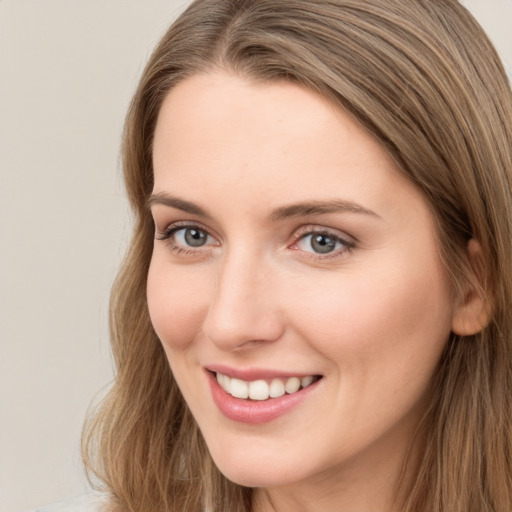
[
  {"x": 348, "y": 241},
  {"x": 172, "y": 227},
  {"x": 313, "y": 229},
  {"x": 167, "y": 237}
]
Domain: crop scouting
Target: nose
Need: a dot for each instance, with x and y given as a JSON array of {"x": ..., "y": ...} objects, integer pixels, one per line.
[{"x": 244, "y": 311}]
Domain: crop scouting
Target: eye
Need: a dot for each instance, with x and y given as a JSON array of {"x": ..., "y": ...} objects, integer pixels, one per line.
[
  {"x": 191, "y": 237},
  {"x": 319, "y": 243},
  {"x": 322, "y": 243},
  {"x": 186, "y": 237}
]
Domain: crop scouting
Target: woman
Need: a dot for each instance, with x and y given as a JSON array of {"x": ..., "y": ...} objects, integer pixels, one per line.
[{"x": 313, "y": 313}]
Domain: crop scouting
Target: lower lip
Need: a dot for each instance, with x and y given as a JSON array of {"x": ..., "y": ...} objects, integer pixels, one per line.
[{"x": 255, "y": 412}]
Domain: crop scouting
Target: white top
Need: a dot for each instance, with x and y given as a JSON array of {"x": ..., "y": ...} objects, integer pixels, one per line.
[{"x": 91, "y": 502}]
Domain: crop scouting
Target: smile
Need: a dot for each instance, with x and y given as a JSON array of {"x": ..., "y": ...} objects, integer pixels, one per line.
[
  {"x": 260, "y": 397},
  {"x": 263, "y": 389}
]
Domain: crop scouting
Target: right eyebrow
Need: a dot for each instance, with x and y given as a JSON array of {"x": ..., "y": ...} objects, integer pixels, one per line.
[
  {"x": 165, "y": 199},
  {"x": 320, "y": 207}
]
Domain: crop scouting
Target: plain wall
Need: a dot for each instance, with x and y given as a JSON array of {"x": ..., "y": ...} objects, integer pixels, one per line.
[
  {"x": 68, "y": 69},
  {"x": 67, "y": 72}
]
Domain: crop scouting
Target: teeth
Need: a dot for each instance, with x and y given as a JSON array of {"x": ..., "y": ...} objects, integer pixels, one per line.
[
  {"x": 292, "y": 385},
  {"x": 258, "y": 390},
  {"x": 261, "y": 389},
  {"x": 239, "y": 388},
  {"x": 306, "y": 381},
  {"x": 276, "y": 388}
]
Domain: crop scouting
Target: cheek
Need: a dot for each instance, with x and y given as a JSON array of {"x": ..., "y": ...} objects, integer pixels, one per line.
[
  {"x": 382, "y": 338},
  {"x": 379, "y": 321},
  {"x": 177, "y": 303}
]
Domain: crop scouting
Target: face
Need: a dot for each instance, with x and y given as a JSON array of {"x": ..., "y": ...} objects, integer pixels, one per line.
[{"x": 295, "y": 282}]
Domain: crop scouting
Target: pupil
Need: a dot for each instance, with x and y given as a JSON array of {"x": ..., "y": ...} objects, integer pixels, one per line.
[
  {"x": 195, "y": 238},
  {"x": 322, "y": 244}
]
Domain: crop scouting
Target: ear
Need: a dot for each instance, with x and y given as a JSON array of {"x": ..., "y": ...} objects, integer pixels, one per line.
[{"x": 473, "y": 312}]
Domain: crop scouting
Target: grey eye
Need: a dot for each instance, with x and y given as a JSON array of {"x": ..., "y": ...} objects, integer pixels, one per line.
[
  {"x": 322, "y": 244},
  {"x": 191, "y": 237}
]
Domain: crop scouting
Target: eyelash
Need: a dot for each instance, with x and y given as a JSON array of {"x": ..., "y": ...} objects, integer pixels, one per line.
[
  {"x": 303, "y": 233},
  {"x": 170, "y": 231}
]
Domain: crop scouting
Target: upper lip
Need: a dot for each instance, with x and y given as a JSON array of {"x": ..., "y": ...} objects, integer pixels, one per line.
[{"x": 252, "y": 374}]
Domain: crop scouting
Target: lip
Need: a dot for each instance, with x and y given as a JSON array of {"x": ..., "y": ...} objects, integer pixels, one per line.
[
  {"x": 255, "y": 412},
  {"x": 251, "y": 374}
]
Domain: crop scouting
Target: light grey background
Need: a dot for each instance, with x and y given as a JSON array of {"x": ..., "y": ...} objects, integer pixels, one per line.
[{"x": 67, "y": 72}]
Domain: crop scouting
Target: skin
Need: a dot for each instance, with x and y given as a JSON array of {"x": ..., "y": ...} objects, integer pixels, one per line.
[{"x": 372, "y": 316}]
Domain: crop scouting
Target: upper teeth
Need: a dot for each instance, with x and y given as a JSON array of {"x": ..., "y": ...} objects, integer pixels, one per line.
[{"x": 261, "y": 389}]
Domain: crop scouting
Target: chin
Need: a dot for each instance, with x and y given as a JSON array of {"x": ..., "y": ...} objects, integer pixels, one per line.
[
  {"x": 255, "y": 470},
  {"x": 258, "y": 477}
]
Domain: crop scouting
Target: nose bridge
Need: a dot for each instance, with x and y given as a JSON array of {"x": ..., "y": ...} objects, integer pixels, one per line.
[{"x": 244, "y": 308}]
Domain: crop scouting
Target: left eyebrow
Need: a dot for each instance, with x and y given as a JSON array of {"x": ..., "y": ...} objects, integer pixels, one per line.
[
  {"x": 319, "y": 207},
  {"x": 175, "y": 202}
]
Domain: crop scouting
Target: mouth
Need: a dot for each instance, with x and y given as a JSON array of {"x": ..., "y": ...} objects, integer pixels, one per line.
[
  {"x": 259, "y": 396},
  {"x": 264, "y": 389}
]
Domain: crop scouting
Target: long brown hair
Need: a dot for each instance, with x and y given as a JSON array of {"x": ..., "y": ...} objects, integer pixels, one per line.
[{"x": 424, "y": 80}]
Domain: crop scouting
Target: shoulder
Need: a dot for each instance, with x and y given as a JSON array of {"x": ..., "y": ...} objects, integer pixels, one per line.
[{"x": 91, "y": 502}]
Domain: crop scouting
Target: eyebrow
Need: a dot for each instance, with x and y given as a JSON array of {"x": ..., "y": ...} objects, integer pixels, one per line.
[
  {"x": 319, "y": 207},
  {"x": 175, "y": 202},
  {"x": 304, "y": 209}
]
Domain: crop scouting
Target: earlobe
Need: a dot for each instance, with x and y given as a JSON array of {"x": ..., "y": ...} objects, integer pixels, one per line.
[{"x": 473, "y": 312}]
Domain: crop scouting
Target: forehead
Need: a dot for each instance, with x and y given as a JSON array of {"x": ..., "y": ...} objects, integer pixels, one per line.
[
  {"x": 226, "y": 136},
  {"x": 252, "y": 112}
]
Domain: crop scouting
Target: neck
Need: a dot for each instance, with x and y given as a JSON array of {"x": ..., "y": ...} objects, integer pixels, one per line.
[
  {"x": 370, "y": 483},
  {"x": 343, "y": 497}
]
